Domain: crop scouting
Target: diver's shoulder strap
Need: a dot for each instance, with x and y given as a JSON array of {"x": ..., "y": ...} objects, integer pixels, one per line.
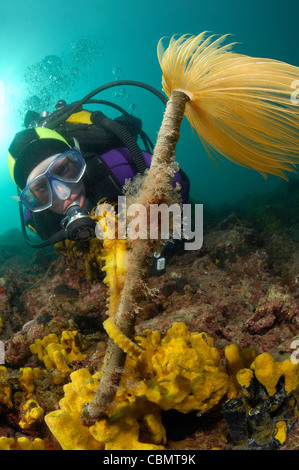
[{"x": 120, "y": 130}]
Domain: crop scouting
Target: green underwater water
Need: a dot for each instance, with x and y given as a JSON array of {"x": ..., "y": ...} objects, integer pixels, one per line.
[{"x": 53, "y": 49}]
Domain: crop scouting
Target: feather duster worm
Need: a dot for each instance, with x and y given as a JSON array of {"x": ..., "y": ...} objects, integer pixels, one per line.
[{"x": 239, "y": 106}]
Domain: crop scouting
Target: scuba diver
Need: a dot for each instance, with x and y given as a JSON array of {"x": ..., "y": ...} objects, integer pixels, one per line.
[{"x": 65, "y": 162}]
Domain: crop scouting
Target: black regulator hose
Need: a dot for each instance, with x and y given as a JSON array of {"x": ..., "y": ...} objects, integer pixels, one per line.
[
  {"x": 62, "y": 115},
  {"x": 99, "y": 119}
]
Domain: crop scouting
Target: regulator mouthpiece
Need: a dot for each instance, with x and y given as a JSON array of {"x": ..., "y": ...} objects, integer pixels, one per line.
[{"x": 78, "y": 225}]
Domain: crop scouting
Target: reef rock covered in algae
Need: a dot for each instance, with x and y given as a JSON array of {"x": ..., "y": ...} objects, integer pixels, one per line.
[{"x": 240, "y": 289}]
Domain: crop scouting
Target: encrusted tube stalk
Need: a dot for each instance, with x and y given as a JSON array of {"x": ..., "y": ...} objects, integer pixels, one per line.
[{"x": 155, "y": 190}]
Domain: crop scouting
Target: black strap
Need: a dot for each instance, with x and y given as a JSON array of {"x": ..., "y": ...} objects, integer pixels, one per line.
[{"x": 99, "y": 119}]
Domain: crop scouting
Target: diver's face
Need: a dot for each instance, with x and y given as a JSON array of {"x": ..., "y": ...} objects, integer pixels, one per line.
[{"x": 63, "y": 194}]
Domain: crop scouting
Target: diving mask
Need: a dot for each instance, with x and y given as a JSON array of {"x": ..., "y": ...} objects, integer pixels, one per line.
[{"x": 68, "y": 167}]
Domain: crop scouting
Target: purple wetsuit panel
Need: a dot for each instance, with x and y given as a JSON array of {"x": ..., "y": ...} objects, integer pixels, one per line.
[{"x": 122, "y": 165}]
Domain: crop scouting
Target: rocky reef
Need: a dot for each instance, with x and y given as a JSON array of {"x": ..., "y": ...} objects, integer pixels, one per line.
[{"x": 237, "y": 299}]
